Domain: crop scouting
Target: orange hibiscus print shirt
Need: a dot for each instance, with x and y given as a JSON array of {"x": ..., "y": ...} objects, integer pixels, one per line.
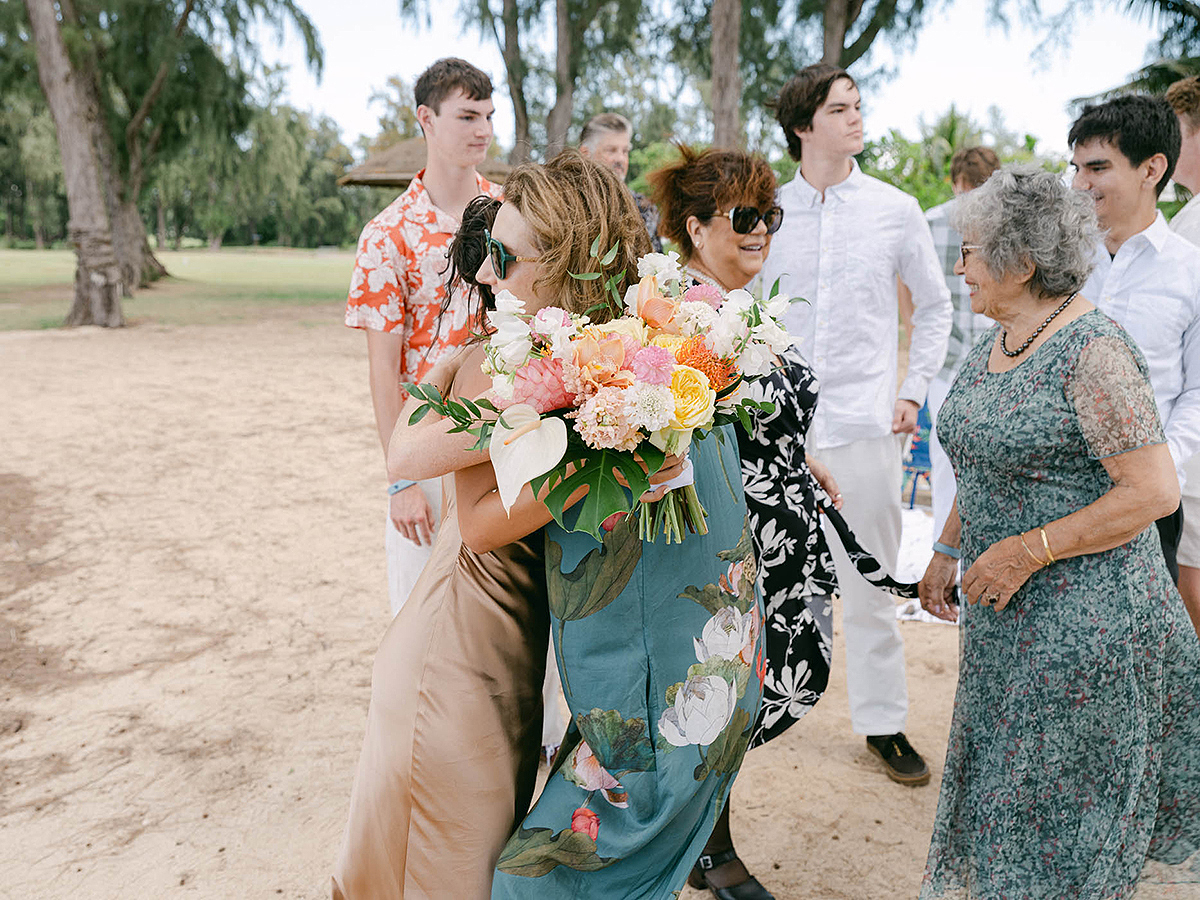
[{"x": 398, "y": 283}]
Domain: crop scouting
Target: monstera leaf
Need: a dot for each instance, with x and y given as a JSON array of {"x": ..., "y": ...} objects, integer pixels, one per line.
[
  {"x": 620, "y": 745},
  {"x": 532, "y": 852},
  {"x": 597, "y": 470}
]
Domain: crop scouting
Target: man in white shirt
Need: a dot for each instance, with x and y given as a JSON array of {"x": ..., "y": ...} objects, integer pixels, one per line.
[
  {"x": 1184, "y": 97},
  {"x": 845, "y": 239},
  {"x": 1147, "y": 277}
]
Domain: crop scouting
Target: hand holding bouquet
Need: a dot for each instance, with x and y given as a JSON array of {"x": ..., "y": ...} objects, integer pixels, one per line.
[{"x": 599, "y": 404}]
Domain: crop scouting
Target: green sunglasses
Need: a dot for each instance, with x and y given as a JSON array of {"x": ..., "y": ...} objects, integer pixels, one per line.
[{"x": 501, "y": 256}]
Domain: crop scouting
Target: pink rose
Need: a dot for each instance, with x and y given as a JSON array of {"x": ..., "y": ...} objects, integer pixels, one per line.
[
  {"x": 704, "y": 293},
  {"x": 653, "y": 365},
  {"x": 585, "y": 821}
]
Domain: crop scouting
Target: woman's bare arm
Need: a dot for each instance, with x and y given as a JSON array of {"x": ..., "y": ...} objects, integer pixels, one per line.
[{"x": 428, "y": 449}]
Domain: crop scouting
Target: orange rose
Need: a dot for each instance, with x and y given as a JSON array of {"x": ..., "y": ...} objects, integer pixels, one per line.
[{"x": 600, "y": 356}]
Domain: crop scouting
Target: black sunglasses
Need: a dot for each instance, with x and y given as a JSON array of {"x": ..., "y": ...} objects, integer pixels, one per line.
[
  {"x": 501, "y": 256},
  {"x": 744, "y": 219}
]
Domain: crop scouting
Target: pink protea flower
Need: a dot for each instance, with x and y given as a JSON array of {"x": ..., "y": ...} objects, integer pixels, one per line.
[
  {"x": 653, "y": 365},
  {"x": 705, "y": 293},
  {"x": 540, "y": 384},
  {"x": 603, "y": 424}
]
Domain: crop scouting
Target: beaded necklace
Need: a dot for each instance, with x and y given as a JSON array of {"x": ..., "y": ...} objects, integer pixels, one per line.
[{"x": 1025, "y": 346}]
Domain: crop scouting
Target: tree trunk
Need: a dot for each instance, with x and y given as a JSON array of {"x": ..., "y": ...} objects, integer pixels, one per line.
[
  {"x": 98, "y": 282},
  {"x": 836, "y": 22},
  {"x": 514, "y": 71},
  {"x": 160, "y": 221},
  {"x": 726, "y": 79},
  {"x": 559, "y": 119}
]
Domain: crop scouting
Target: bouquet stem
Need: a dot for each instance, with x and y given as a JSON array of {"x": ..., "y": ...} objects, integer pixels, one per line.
[{"x": 678, "y": 512}]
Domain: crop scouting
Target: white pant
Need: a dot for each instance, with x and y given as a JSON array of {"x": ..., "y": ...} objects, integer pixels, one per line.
[
  {"x": 942, "y": 486},
  {"x": 868, "y": 474},
  {"x": 405, "y": 560}
]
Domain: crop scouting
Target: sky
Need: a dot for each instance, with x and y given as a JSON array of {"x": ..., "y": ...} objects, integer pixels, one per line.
[{"x": 958, "y": 58}]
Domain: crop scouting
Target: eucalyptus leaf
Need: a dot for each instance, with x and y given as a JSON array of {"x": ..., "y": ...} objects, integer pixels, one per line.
[
  {"x": 586, "y": 276},
  {"x": 611, "y": 254}
]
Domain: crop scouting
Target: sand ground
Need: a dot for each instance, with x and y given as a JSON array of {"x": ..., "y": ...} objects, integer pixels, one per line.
[{"x": 191, "y": 593}]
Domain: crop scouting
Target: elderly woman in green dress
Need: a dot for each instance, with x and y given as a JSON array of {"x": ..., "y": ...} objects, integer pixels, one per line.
[{"x": 1073, "y": 767}]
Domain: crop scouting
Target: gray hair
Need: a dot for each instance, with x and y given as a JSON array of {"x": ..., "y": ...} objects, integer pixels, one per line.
[
  {"x": 604, "y": 122},
  {"x": 1024, "y": 215}
]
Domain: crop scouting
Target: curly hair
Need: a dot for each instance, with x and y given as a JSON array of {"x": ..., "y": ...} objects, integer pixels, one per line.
[
  {"x": 1024, "y": 215},
  {"x": 569, "y": 203},
  {"x": 467, "y": 251},
  {"x": 702, "y": 183}
]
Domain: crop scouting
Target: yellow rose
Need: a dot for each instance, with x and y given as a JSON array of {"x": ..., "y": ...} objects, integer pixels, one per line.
[
  {"x": 695, "y": 399},
  {"x": 670, "y": 342},
  {"x": 626, "y": 325}
]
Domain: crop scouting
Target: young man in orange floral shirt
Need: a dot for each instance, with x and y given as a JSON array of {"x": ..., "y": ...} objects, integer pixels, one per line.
[{"x": 399, "y": 284}]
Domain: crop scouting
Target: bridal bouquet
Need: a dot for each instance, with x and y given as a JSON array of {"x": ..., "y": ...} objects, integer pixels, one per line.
[{"x": 576, "y": 403}]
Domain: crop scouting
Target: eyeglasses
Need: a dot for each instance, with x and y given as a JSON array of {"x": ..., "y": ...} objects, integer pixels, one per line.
[
  {"x": 744, "y": 219},
  {"x": 965, "y": 249},
  {"x": 501, "y": 256}
]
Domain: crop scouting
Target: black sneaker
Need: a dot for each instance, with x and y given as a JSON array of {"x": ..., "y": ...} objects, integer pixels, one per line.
[{"x": 903, "y": 764}]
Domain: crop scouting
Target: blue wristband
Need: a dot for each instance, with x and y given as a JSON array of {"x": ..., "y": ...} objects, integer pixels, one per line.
[
  {"x": 397, "y": 486},
  {"x": 952, "y": 552}
]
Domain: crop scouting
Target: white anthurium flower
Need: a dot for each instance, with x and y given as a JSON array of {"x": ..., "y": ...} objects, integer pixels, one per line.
[
  {"x": 524, "y": 446},
  {"x": 703, "y": 706},
  {"x": 663, "y": 266},
  {"x": 726, "y": 635}
]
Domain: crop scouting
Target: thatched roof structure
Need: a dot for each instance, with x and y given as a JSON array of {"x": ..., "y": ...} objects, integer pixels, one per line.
[{"x": 398, "y": 164}]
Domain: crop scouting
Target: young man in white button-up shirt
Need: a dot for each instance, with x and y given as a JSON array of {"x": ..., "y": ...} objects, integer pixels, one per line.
[
  {"x": 845, "y": 239},
  {"x": 1147, "y": 277},
  {"x": 1184, "y": 97}
]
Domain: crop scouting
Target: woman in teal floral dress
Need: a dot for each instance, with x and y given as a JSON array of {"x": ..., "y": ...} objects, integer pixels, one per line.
[
  {"x": 658, "y": 645},
  {"x": 1073, "y": 767}
]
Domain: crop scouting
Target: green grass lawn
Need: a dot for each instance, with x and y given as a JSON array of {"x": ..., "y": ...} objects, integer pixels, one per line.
[{"x": 204, "y": 287}]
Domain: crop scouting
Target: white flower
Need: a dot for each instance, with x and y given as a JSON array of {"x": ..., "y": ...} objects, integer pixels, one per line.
[
  {"x": 738, "y": 301},
  {"x": 664, "y": 266},
  {"x": 755, "y": 359},
  {"x": 727, "y": 333},
  {"x": 512, "y": 341},
  {"x": 728, "y": 635},
  {"x": 770, "y": 333},
  {"x": 555, "y": 324},
  {"x": 649, "y": 406},
  {"x": 502, "y": 386},
  {"x": 630, "y": 299},
  {"x": 777, "y": 306},
  {"x": 703, "y": 706},
  {"x": 524, "y": 446},
  {"x": 695, "y": 317}
]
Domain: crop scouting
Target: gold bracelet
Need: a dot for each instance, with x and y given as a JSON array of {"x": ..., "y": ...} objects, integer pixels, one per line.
[
  {"x": 1046, "y": 544},
  {"x": 1041, "y": 565}
]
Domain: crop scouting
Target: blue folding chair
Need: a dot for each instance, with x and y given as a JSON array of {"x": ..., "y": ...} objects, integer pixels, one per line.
[{"x": 916, "y": 460}]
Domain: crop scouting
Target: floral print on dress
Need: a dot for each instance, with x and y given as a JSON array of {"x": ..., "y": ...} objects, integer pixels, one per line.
[
  {"x": 399, "y": 283},
  {"x": 1073, "y": 763},
  {"x": 796, "y": 573},
  {"x": 659, "y": 648}
]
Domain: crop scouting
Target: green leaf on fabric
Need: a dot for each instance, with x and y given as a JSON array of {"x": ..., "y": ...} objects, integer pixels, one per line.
[
  {"x": 598, "y": 579},
  {"x": 725, "y": 754},
  {"x": 734, "y": 671},
  {"x": 533, "y": 852},
  {"x": 619, "y": 744},
  {"x": 711, "y": 597}
]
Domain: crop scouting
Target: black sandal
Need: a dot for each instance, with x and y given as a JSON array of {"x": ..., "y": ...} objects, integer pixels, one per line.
[{"x": 749, "y": 889}]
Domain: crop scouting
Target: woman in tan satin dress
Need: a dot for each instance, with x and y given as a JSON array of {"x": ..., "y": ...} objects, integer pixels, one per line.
[{"x": 454, "y": 731}]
